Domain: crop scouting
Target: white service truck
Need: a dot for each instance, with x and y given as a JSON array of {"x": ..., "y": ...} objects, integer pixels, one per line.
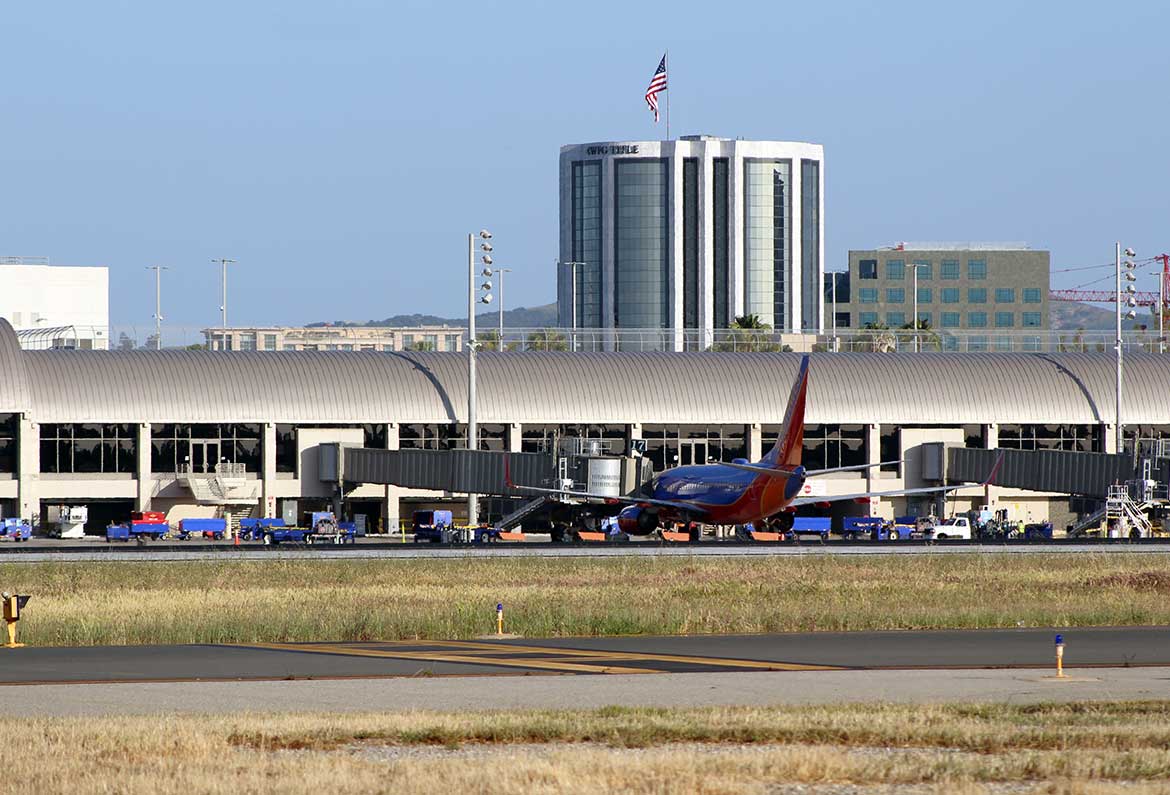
[{"x": 955, "y": 527}]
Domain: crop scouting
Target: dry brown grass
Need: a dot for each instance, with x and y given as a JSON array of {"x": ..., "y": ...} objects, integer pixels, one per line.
[
  {"x": 1086, "y": 749},
  {"x": 241, "y": 602}
]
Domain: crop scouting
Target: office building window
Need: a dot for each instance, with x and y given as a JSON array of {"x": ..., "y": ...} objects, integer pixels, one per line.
[
  {"x": 248, "y": 341},
  {"x": 721, "y": 212},
  {"x": 976, "y": 320},
  {"x": 1005, "y": 295},
  {"x": 430, "y": 342},
  {"x": 950, "y": 319},
  {"x": 767, "y": 221},
  {"x": 407, "y": 342},
  {"x": 1005, "y": 319},
  {"x": 924, "y": 268},
  {"x": 977, "y": 269},
  {"x": 68, "y": 447},
  {"x": 950, "y": 343},
  {"x": 867, "y": 295},
  {"x": 977, "y": 343},
  {"x": 949, "y": 269},
  {"x": 895, "y": 295},
  {"x": 949, "y": 295},
  {"x": 895, "y": 269},
  {"x": 269, "y": 342},
  {"x": 640, "y": 249},
  {"x": 1031, "y": 295},
  {"x": 925, "y": 295},
  {"x": 451, "y": 342},
  {"x": 867, "y": 319},
  {"x": 586, "y": 241},
  {"x": 926, "y": 320},
  {"x": 895, "y": 319},
  {"x": 1030, "y": 320},
  {"x": 867, "y": 269},
  {"x": 810, "y": 242},
  {"x": 843, "y": 320},
  {"x": 288, "y": 346},
  {"x": 977, "y": 295},
  {"x": 690, "y": 252},
  {"x": 8, "y": 442}
]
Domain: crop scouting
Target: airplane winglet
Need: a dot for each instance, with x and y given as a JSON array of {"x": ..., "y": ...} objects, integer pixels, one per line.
[{"x": 989, "y": 481}]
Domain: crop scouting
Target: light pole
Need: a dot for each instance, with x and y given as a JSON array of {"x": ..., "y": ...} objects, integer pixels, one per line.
[
  {"x": 223, "y": 263},
  {"x": 158, "y": 318},
  {"x": 914, "y": 266},
  {"x": 1130, "y": 302},
  {"x": 572, "y": 298},
  {"x": 474, "y": 298},
  {"x": 501, "y": 272},
  {"x": 833, "y": 291}
]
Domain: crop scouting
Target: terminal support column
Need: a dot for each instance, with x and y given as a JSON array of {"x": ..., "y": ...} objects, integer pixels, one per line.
[
  {"x": 146, "y": 482},
  {"x": 268, "y": 476},
  {"x": 991, "y": 442},
  {"x": 754, "y": 441},
  {"x": 515, "y": 438},
  {"x": 28, "y": 469},
  {"x": 392, "y": 512}
]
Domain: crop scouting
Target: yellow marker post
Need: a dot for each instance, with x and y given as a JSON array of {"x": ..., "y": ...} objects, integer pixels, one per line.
[
  {"x": 1059, "y": 656},
  {"x": 12, "y": 606},
  {"x": 500, "y": 618}
]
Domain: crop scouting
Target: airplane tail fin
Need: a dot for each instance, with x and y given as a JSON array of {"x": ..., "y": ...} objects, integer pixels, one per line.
[{"x": 789, "y": 446}]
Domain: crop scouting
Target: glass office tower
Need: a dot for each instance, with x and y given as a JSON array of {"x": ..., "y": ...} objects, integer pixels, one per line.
[{"x": 691, "y": 234}]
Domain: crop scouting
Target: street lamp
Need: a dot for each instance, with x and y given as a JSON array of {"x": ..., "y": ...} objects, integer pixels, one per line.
[
  {"x": 1130, "y": 302},
  {"x": 914, "y": 266},
  {"x": 500, "y": 272},
  {"x": 572, "y": 266},
  {"x": 223, "y": 263},
  {"x": 474, "y": 298},
  {"x": 158, "y": 318}
]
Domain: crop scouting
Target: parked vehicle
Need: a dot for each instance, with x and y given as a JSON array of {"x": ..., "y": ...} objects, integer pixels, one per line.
[
  {"x": 214, "y": 529},
  {"x": 955, "y": 527},
  {"x": 15, "y": 530},
  {"x": 435, "y": 527},
  {"x": 140, "y": 531}
]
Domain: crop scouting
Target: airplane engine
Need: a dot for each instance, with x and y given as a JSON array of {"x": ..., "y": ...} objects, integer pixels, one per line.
[{"x": 637, "y": 521}]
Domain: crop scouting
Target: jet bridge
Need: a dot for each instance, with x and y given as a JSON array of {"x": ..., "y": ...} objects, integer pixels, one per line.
[{"x": 1060, "y": 472}]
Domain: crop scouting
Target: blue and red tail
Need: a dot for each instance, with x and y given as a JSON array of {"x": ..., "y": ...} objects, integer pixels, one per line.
[{"x": 790, "y": 444}]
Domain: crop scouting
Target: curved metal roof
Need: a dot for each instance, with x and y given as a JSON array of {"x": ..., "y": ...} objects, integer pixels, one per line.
[{"x": 674, "y": 388}]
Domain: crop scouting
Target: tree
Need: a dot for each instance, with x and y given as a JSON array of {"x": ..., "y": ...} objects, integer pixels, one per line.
[
  {"x": 881, "y": 339},
  {"x": 124, "y": 342},
  {"x": 151, "y": 342},
  {"x": 489, "y": 340},
  {"x": 422, "y": 345},
  {"x": 546, "y": 340},
  {"x": 749, "y": 333},
  {"x": 927, "y": 337}
]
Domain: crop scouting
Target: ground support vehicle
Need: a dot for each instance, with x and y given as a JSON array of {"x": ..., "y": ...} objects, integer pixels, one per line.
[
  {"x": 139, "y": 531},
  {"x": 323, "y": 529},
  {"x": 955, "y": 527},
  {"x": 818, "y": 526},
  {"x": 433, "y": 526},
  {"x": 15, "y": 530},
  {"x": 1041, "y": 531},
  {"x": 71, "y": 522},
  {"x": 253, "y": 529},
  {"x": 857, "y": 527},
  {"x": 214, "y": 529}
]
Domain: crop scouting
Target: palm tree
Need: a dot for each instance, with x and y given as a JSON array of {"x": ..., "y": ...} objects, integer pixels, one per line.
[
  {"x": 749, "y": 333},
  {"x": 883, "y": 340},
  {"x": 546, "y": 340},
  {"x": 489, "y": 340},
  {"x": 927, "y": 336}
]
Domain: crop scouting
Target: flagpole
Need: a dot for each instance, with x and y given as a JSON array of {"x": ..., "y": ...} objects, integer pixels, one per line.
[{"x": 666, "y": 59}]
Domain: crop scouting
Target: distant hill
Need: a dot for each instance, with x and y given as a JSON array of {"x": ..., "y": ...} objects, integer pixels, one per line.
[
  {"x": 521, "y": 317},
  {"x": 1072, "y": 315}
]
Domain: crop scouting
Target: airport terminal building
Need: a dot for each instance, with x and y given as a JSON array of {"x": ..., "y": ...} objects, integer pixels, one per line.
[
  {"x": 691, "y": 233},
  {"x": 195, "y": 433}
]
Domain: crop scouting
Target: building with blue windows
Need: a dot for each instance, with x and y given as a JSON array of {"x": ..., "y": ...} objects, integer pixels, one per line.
[
  {"x": 691, "y": 233},
  {"x": 989, "y": 292}
]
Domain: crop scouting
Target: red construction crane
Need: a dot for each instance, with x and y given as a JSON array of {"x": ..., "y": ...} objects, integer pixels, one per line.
[{"x": 1109, "y": 296}]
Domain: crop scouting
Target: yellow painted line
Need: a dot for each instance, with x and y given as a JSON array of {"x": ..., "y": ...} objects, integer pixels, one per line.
[
  {"x": 350, "y": 651},
  {"x": 646, "y": 656}
]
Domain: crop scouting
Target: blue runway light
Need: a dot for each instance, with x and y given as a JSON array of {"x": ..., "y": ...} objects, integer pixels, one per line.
[{"x": 1060, "y": 640}]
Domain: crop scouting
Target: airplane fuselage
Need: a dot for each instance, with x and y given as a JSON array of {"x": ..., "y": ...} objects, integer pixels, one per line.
[{"x": 723, "y": 495}]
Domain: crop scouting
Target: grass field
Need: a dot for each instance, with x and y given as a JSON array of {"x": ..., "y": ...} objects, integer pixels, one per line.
[
  {"x": 1077, "y": 749},
  {"x": 207, "y": 602}
]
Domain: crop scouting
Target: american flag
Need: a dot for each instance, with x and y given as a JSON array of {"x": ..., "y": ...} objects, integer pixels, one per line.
[{"x": 657, "y": 83}]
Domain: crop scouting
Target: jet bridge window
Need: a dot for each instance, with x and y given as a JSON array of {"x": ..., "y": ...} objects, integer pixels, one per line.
[{"x": 7, "y": 442}]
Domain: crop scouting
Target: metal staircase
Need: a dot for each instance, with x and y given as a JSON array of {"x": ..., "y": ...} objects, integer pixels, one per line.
[
  {"x": 1122, "y": 512},
  {"x": 522, "y": 513}
]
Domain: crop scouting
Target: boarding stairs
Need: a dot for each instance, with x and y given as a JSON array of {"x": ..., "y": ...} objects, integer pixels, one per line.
[
  {"x": 1126, "y": 514},
  {"x": 523, "y": 512},
  {"x": 221, "y": 487}
]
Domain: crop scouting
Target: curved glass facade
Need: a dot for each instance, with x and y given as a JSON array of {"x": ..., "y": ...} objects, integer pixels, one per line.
[{"x": 640, "y": 243}]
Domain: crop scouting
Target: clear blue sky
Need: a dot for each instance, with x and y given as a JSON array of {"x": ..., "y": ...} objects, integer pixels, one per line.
[{"x": 341, "y": 151}]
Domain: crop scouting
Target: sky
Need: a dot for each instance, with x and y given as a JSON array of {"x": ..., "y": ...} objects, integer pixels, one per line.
[{"x": 341, "y": 151}]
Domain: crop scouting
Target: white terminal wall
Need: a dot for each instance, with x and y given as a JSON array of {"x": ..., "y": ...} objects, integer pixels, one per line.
[
  {"x": 43, "y": 296},
  {"x": 705, "y": 149}
]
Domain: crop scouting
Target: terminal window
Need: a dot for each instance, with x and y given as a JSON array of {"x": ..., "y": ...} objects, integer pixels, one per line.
[
  {"x": 949, "y": 269},
  {"x": 890, "y": 448},
  {"x": 1005, "y": 295},
  {"x": 543, "y": 438},
  {"x": 7, "y": 442},
  {"x": 950, "y": 295},
  {"x": 867, "y": 295},
  {"x": 74, "y": 447},
  {"x": 867, "y": 269},
  {"x": 895, "y": 270},
  {"x": 680, "y": 445},
  {"x": 202, "y": 446},
  {"x": 829, "y": 446},
  {"x": 977, "y": 295},
  {"x": 950, "y": 319},
  {"x": 977, "y": 269},
  {"x": 1031, "y": 295},
  {"x": 1075, "y": 438},
  {"x": 895, "y": 295},
  {"x": 431, "y": 436}
]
